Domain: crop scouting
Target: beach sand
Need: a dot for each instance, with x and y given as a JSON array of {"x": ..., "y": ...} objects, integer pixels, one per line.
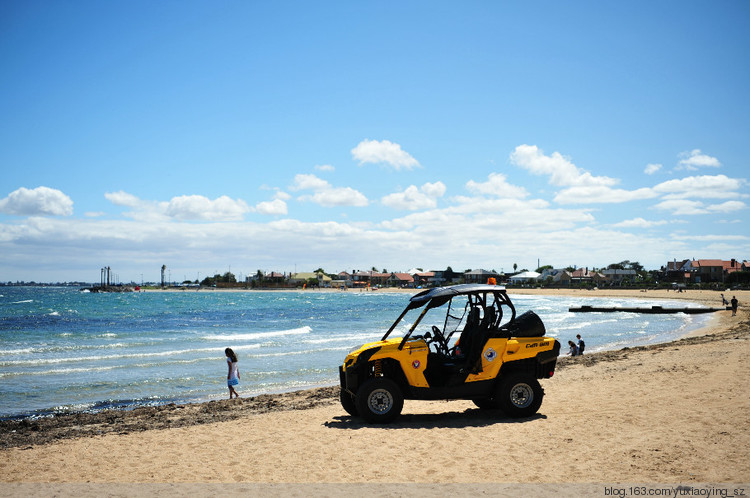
[{"x": 669, "y": 413}]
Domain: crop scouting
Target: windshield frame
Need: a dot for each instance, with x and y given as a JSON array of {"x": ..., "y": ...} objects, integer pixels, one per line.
[{"x": 434, "y": 298}]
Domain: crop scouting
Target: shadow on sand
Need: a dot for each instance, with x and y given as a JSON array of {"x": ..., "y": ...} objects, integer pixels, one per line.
[{"x": 454, "y": 420}]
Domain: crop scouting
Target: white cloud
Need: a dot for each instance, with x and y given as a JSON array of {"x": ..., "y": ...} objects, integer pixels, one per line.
[
  {"x": 436, "y": 189},
  {"x": 652, "y": 168},
  {"x": 695, "y": 159},
  {"x": 495, "y": 224},
  {"x": 497, "y": 185},
  {"x": 415, "y": 198},
  {"x": 198, "y": 207},
  {"x": 325, "y": 194},
  {"x": 682, "y": 207},
  {"x": 560, "y": 170},
  {"x": 688, "y": 207},
  {"x": 325, "y": 167},
  {"x": 386, "y": 152},
  {"x": 121, "y": 198},
  {"x": 726, "y": 207},
  {"x": 339, "y": 196},
  {"x": 639, "y": 223},
  {"x": 274, "y": 207},
  {"x": 37, "y": 202},
  {"x": 599, "y": 194},
  {"x": 702, "y": 187},
  {"x": 184, "y": 207},
  {"x": 309, "y": 182},
  {"x": 711, "y": 237}
]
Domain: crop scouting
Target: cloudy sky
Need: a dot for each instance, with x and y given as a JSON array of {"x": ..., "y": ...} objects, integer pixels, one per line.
[{"x": 243, "y": 135}]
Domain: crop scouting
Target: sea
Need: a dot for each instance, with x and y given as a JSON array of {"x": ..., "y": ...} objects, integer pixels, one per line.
[{"x": 63, "y": 350}]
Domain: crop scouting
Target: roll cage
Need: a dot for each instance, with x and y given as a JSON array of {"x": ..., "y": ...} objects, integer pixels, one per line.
[{"x": 478, "y": 297}]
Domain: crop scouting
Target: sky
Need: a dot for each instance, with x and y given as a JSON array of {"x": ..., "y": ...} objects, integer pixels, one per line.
[{"x": 215, "y": 136}]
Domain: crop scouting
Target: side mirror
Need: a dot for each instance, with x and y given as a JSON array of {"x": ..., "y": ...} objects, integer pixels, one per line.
[{"x": 428, "y": 336}]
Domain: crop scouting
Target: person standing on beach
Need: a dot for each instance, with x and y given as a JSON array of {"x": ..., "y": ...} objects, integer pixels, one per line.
[
  {"x": 233, "y": 375},
  {"x": 581, "y": 344},
  {"x": 734, "y": 305}
]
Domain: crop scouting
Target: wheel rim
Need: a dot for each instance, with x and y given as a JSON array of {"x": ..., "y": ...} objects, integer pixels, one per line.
[
  {"x": 380, "y": 401},
  {"x": 522, "y": 395}
]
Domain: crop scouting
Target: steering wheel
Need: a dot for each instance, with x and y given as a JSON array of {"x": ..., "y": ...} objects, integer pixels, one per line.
[{"x": 442, "y": 344}]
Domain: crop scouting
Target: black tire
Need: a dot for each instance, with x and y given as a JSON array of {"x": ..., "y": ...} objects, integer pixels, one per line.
[
  {"x": 486, "y": 403},
  {"x": 519, "y": 395},
  {"x": 379, "y": 400},
  {"x": 347, "y": 401}
]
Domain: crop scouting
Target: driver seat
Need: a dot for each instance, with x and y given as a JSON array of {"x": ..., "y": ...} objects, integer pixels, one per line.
[
  {"x": 479, "y": 339},
  {"x": 467, "y": 335}
]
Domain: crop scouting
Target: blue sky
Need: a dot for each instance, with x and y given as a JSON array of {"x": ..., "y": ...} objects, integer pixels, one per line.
[{"x": 348, "y": 135}]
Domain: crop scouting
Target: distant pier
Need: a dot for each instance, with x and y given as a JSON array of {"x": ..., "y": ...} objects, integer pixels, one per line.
[
  {"x": 109, "y": 288},
  {"x": 654, "y": 310}
]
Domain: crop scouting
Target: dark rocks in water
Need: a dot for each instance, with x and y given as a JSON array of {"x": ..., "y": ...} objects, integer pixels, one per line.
[{"x": 109, "y": 288}]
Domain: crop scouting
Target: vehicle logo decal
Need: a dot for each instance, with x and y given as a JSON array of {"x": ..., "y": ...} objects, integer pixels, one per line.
[
  {"x": 415, "y": 363},
  {"x": 490, "y": 354}
]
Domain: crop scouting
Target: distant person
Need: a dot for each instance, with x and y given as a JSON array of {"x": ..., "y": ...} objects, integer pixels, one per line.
[
  {"x": 233, "y": 375},
  {"x": 735, "y": 303},
  {"x": 573, "y": 349},
  {"x": 581, "y": 344},
  {"x": 724, "y": 301}
]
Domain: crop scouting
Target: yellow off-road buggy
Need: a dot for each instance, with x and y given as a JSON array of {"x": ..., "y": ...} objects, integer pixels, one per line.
[{"x": 478, "y": 349}]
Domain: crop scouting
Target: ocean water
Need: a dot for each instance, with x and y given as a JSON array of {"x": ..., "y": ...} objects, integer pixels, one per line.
[{"x": 66, "y": 350}]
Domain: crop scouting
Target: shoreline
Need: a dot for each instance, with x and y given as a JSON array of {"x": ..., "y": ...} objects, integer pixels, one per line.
[
  {"x": 44, "y": 428},
  {"x": 674, "y": 412},
  {"x": 30, "y": 431},
  {"x": 666, "y": 413},
  {"x": 703, "y": 297}
]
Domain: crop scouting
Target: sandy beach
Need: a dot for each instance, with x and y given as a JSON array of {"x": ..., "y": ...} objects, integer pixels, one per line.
[{"x": 670, "y": 413}]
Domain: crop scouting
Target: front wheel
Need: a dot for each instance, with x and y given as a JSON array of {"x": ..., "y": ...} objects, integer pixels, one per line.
[
  {"x": 379, "y": 400},
  {"x": 519, "y": 395},
  {"x": 347, "y": 401}
]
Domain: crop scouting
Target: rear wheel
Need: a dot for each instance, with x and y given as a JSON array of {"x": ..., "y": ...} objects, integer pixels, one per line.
[
  {"x": 347, "y": 401},
  {"x": 379, "y": 400},
  {"x": 519, "y": 395}
]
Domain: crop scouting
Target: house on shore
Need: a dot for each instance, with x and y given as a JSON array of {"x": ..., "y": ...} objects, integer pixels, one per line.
[
  {"x": 525, "y": 278},
  {"x": 302, "y": 278},
  {"x": 480, "y": 276},
  {"x": 703, "y": 270}
]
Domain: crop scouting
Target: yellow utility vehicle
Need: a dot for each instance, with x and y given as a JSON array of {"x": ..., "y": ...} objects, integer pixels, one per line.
[{"x": 476, "y": 348}]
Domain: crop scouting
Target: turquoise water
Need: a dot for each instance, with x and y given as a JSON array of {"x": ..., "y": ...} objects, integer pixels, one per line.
[{"x": 61, "y": 349}]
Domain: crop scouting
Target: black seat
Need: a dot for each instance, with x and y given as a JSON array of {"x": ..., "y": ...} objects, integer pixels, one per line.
[
  {"x": 466, "y": 340},
  {"x": 479, "y": 339},
  {"x": 526, "y": 325}
]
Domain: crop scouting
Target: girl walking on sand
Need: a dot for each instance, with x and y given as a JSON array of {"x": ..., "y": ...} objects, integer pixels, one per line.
[{"x": 233, "y": 375}]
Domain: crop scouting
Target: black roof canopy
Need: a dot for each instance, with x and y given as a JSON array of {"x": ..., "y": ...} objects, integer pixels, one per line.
[{"x": 443, "y": 294}]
